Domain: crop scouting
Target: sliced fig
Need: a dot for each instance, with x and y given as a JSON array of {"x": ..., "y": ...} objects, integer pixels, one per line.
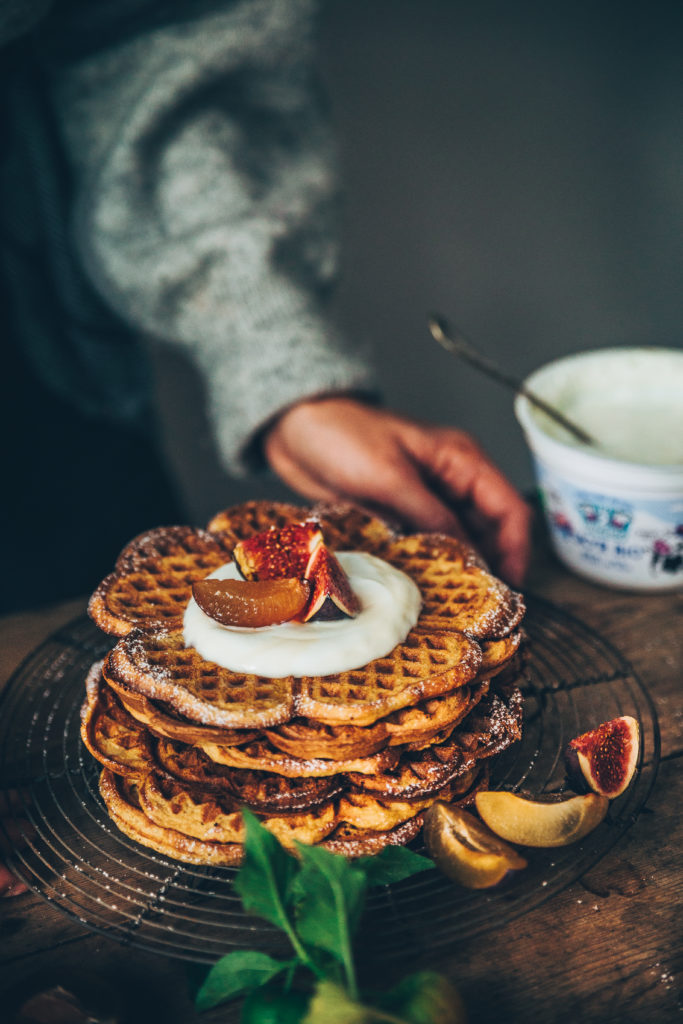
[
  {"x": 604, "y": 759},
  {"x": 467, "y": 851},
  {"x": 541, "y": 821},
  {"x": 278, "y": 554},
  {"x": 251, "y": 603},
  {"x": 331, "y": 593}
]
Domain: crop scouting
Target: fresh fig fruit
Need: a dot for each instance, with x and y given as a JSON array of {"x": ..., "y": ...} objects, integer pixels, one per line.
[
  {"x": 278, "y": 554},
  {"x": 605, "y": 758},
  {"x": 541, "y": 821},
  {"x": 330, "y": 588},
  {"x": 251, "y": 603},
  {"x": 467, "y": 851}
]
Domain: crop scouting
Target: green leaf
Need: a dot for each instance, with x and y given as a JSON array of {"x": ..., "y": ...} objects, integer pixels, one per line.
[
  {"x": 266, "y": 875},
  {"x": 424, "y": 998},
  {"x": 331, "y": 1004},
  {"x": 236, "y": 973},
  {"x": 393, "y": 864},
  {"x": 330, "y": 893},
  {"x": 267, "y": 1006}
]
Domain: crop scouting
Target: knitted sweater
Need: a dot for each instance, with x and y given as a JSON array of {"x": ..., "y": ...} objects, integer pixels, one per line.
[{"x": 200, "y": 201}]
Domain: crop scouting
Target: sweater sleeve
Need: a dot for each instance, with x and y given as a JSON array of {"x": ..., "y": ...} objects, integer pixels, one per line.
[{"x": 207, "y": 205}]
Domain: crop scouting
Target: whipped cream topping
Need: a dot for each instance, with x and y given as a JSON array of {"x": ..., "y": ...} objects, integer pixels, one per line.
[{"x": 390, "y": 605}]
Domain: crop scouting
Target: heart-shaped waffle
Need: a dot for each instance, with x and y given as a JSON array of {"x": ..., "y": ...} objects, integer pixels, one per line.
[
  {"x": 263, "y": 756},
  {"x": 261, "y": 791},
  {"x": 161, "y": 720},
  {"x": 152, "y": 581},
  {"x": 216, "y": 817},
  {"x": 160, "y": 666},
  {"x": 111, "y": 735},
  {"x": 427, "y": 664},
  {"x": 457, "y": 593},
  {"x": 345, "y": 527},
  {"x": 121, "y": 798}
]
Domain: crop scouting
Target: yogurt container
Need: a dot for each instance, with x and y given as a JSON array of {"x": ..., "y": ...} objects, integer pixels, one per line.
[{"x": 614, "y": 511}]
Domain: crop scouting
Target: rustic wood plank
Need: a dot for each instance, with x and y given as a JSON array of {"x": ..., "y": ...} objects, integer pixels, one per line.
[{"x": 606, "y": 949}]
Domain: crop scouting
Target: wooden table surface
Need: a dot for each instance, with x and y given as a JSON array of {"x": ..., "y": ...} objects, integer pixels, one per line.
[{"x": 608, "y": 948}]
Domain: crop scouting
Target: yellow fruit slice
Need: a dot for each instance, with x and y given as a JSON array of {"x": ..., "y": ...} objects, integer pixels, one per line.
[
  {"x": 543, "y": 821},
  {"x": 467, "y": 851}
]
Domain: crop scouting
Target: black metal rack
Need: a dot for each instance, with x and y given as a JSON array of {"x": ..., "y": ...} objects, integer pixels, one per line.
[{"x": 73, "y": 856}]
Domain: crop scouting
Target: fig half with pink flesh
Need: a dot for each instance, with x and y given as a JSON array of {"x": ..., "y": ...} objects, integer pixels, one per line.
[
  {"x": 604, "y": 759},
  {"x": 251, "y": 603},
  {"x": 278, "y": 553},
  {"x": 465, "y": 850},
  {"x": 331, "y": 593},
  {"x": 541, "y": 821}
]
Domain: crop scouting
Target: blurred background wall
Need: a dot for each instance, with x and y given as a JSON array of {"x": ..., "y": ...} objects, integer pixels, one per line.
[{"x": 515, "y": 166}]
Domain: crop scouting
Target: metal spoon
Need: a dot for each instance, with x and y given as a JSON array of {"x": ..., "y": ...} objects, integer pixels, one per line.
[{"x": 456, "y": 343}]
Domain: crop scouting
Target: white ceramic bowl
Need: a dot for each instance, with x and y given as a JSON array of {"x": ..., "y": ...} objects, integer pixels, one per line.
[{"x": 615, "y": 513}]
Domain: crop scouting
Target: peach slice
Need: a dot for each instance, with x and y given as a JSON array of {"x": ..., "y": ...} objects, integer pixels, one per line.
[
  {"x": 605, "y": 758},
  {"x": 251, "y": 604},
  {"x": 278, "y": 554},
  {"x": 331, "y": 593},
  {"x": 547, "y": 820},
  {"x": 467, "y": 851}
]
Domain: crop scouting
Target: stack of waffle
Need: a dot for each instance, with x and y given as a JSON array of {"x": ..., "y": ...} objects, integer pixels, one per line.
[{"x": 348, "y": 761}]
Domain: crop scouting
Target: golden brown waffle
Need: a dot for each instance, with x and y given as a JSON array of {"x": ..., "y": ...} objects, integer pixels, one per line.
[
  {"x": 456, "y": 593},
  {"x": 122, "y": 802},
  {"x": 242, "y": 521},
  {"x": 349, "y": 528},
  {"x": 345, "y": 527},
  {"x": 417, "y": 774},
  {"x": 428, "y": 719},
  {"x": 216, "y": 817},
  {"x": 262, "y": 756},
  {"x": 494, "y": 724},
  {"x": 367, "y": 811},
  {"x": 126, "y": 748},
  {"x": 152, "y": 581},
  {"x": 302, "y": 738},
  {"x": 496, "y": 654},
  {"x": 259, "y": 790},
  {"x": 163, "y": 721},
  {"x": 427, "y": 664},
  {"x": 356, "y": 842},
  {"x": 158, "y": 665},
  {"x": 111, "y": 735}
]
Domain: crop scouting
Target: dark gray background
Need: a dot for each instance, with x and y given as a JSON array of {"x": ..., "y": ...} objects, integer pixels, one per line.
[{"x": 516, "y": 166}]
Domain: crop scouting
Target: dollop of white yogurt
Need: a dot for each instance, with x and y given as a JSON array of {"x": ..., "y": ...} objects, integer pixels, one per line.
[{"x": 390, "y": 605}]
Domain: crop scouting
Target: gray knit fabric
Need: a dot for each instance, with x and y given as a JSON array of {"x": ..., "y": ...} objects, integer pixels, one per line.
[{"x": 207, "y": 203}]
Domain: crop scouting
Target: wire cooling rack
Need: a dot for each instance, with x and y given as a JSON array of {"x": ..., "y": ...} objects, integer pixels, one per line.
[{"x": 72, "y": 855}]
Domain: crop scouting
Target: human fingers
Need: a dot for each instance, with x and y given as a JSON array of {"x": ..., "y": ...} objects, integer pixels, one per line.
[
  {"x": 341, "y": 449},
  {"x": 465, "y": 473}
]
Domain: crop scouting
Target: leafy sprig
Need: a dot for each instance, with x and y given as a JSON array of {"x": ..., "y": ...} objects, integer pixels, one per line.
[{"x": 317, "y": 900}]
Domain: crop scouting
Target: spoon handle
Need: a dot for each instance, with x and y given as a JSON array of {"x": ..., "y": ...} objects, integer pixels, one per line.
[{"x": 456, "y": 343}]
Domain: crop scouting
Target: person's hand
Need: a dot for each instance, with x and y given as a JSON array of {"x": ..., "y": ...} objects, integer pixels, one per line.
[{"x": 431, "y": 478}]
